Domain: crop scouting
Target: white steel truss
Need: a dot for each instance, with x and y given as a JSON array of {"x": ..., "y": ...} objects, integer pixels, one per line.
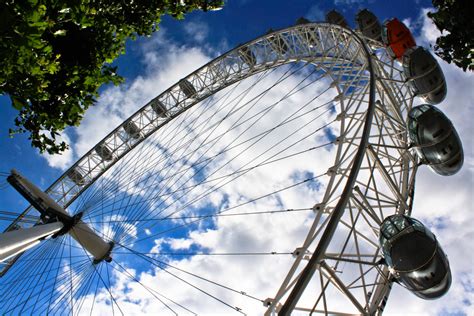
[{"x": 373, "y": 156}]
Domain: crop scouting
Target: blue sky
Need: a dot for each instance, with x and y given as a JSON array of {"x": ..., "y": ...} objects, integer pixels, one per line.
[{"x": 203, "y": 36}]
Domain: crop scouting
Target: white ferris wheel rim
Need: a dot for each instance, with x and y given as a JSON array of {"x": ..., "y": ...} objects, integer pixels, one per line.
[{"x": 298, "y": 42}]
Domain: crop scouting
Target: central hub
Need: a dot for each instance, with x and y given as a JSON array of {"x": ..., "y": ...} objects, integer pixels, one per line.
[{"x": 53, "y": 212}]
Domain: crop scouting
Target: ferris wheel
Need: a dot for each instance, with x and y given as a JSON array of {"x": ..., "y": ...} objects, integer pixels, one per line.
[{"x": 309, "y": 135}]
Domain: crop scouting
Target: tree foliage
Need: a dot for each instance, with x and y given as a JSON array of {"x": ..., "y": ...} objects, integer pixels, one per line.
[
  {"x": 55, "y": 54},
  {"x": 455, "y": 18}
]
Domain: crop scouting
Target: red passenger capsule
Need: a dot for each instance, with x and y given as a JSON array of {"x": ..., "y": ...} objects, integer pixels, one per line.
[{"x": 397, "y": 37}]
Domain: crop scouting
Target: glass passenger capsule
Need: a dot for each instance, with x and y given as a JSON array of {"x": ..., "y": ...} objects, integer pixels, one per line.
[
  {"x": 187, "y": 88},
  {"x": 435, "y": 139},
  {"x": 397, "y": 37},
  {"x": 412, "y": 251},
  {"x": 76, "y": 176},
  {"x": 425, "y": 75},
  {"x": 132, "y": 130},
  {"x": 335, "y": 17},
  {"x": 158, "y": 107},
  {"x": 369, "y": 25},
  {"x": 104, "y": 152}
]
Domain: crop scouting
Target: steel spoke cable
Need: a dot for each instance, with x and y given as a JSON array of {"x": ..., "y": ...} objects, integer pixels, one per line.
[
  {"x": 62, "y": 302},
  {"x": 272, "y": 253},
  {"x": 228, "y": 181},
  {"x": 85, "y": 290},
  {"x": 117, "y": 233},
  {"x": 239, "y": 175},
  {"x": 87, "y": 263},
  {"x": 213, "y": 189},
  {"x": 27, "y": 273},
  {"x": 159, "y": 264},
  {"x": 216, "y": 215},
  {"x": 247, "y": 147},
  {"x": 61, "y": 245},
  {"x": 275, "y": 160},
  {"x": 11, "y": 291},
  {"x": 133, "y": 278},
  {"x": 96, "y": 288},
  {"x": 252, "y": 167},
  {"x": 134, "y": 153},
  {"x": 266, "y": 162},
  {"x": 63, "y": 298},
  {"x": 131, "y": 197},
  {"x": 140, "y": 155},
  {"x": 231, "y": 208},
  {"x": 25, "y": 301}
]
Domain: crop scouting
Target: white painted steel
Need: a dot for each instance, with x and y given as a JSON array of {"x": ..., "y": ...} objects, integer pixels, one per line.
[
  {"x": 90, "y": 241},
  {"x": 81, "y": 232},
  {"x": 384, "y": 185},
  {"x": 17, "y": 241}
]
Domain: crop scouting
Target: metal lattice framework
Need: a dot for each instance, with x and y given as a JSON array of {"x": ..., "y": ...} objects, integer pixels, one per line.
[{"x": 337, "y": 270}]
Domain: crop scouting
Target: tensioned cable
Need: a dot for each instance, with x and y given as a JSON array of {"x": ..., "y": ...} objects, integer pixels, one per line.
[
  {"x": 11, "y": 292},
  {"x": 213, "y": 215},
  {"x": 160, "y": 264},
  {"x": 99, "y": 272},
  {"x": 233, "y": 207},
  {"x": 271, "y": 253},
  {"x": 149, "y": 290},
  {"x": 131, "y": 199},
  {"x": 237, "y": 172},
  {"x": 187, "y": 112},
  {"x": 284, "y": 77},
  {"x": 138, "y": 153},
  {"x": 209, "y": 192},
  {"x": 267, "y": 89},
  {"x": 52, "y": 286},
  {"x": 43, "y": 250}
]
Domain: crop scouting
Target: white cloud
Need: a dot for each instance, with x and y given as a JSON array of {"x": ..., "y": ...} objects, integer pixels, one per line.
[
  {"x": 63, "y": 160},
  {"x": 197, "y": 30}
]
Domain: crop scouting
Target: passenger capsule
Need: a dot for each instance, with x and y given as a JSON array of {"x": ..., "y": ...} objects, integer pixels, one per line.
[
  {"x": 104, "y": 152},
  {"x": 416, "y": 257},
  {"x": 132, "y": 129},
  {"x": 425, "y": 75},
  {"x": 397, "y": 37},
  {"x": 158, "y": 108},
  {"x": 436, "y": 141},
  {"x": 76, "y": 177},
  {"x": 369, "y": 25},
  {"x": 187, "y": 88},
  {"x": 335, "y": 17}
]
